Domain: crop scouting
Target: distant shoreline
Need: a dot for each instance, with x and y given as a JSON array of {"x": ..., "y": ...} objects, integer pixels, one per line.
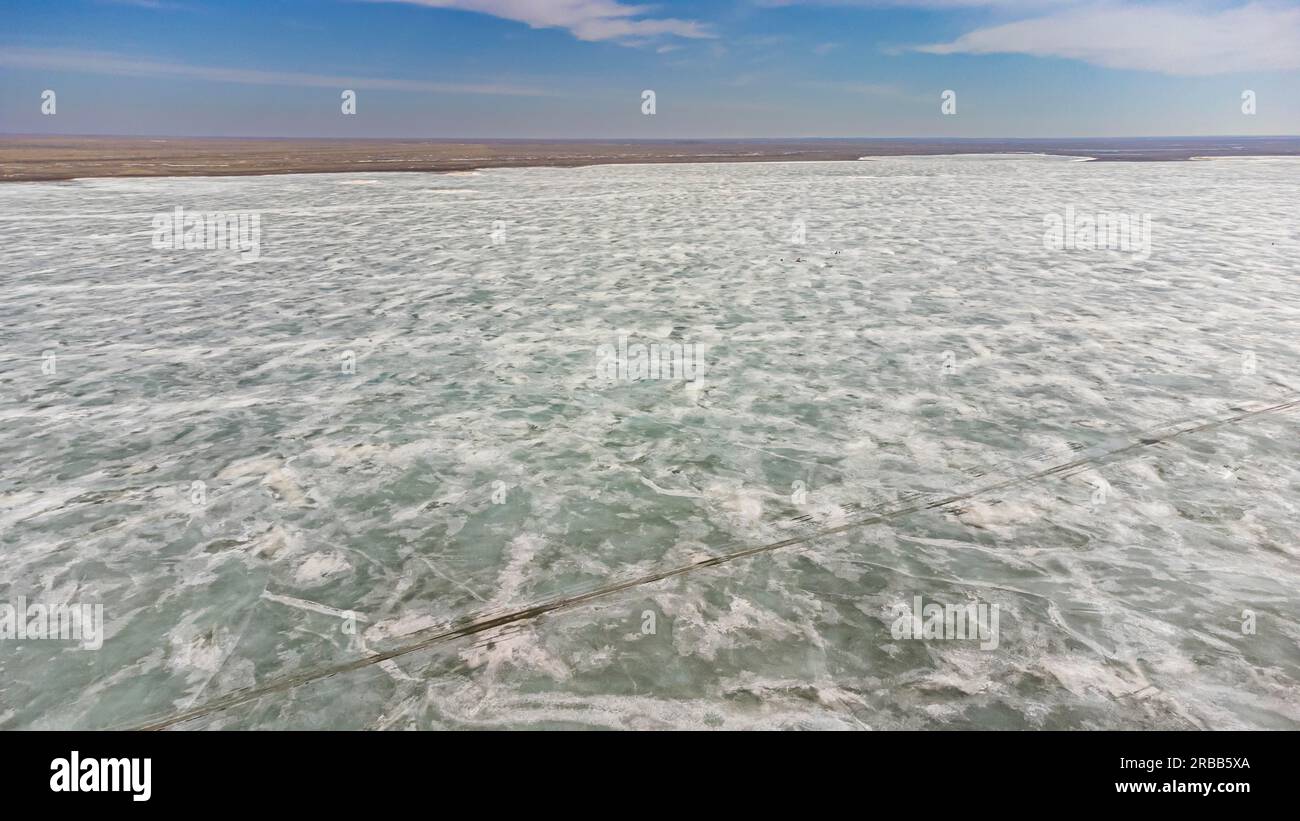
[{"x": 60, "y": 158}]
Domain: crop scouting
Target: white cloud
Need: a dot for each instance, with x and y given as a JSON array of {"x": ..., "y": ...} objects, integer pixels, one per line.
[
  {"x": 922, "y": 4},
  {"x": 868, "y": 89},
  {"x": 97, "y": 62},
  {"x": 155, "y": 5},
  {"x": 585, "y": 19},
  {"x": 1172, "y": 39}
]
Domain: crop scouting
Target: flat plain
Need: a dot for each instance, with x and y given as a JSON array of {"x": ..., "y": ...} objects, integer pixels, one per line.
[{"x": 33, "y": 158}]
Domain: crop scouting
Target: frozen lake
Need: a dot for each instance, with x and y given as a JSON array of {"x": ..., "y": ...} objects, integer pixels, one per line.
[{"x": 421, "y": 404}]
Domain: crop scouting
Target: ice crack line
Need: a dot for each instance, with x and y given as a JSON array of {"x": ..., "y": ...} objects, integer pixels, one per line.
[{"x": 239, "y": 697}]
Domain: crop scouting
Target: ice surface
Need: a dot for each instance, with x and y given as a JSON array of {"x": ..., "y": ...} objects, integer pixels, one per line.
[{"x": 922, "y": 341}]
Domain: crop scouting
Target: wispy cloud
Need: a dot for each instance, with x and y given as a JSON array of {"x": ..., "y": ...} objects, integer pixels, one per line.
[
  {"x": 585, "y": 19},
  {"x": 867, "y": 89},
  {"x": 921, "y": 4},
  {"x": 95, "y": 62},
  {"x": 873, "y": 89},
  {"x": 154, "y": 5},
  {"x": 1172, "y": 39}
]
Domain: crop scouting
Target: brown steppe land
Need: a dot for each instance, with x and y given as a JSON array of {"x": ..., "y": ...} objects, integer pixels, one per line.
[{"x": 36, "y": 158}]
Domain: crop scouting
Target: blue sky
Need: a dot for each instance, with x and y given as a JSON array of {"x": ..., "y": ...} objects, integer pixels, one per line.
[{"x": 577, "y": 68}]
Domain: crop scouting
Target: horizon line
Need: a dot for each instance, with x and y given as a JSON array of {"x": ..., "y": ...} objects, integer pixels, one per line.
[{"x": 7, "y": 134}]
